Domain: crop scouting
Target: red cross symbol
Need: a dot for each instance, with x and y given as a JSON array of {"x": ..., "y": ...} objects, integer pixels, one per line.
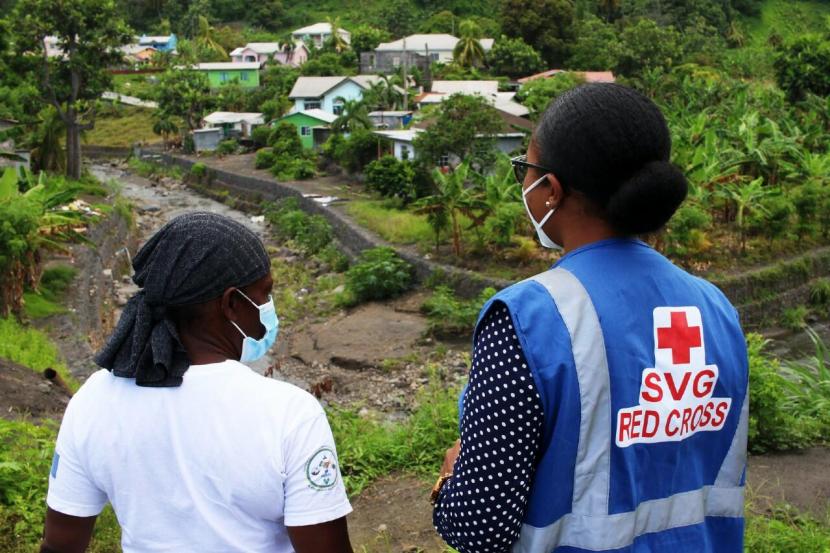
[{"x": 679, "y": 337}]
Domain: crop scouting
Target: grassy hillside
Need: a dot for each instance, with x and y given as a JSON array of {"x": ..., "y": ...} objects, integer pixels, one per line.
[{"x": 786, "y": 18}]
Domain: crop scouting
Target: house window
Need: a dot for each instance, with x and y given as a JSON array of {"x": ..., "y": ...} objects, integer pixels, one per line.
[
  {"x": 433, "y": 57},
  {"x": 223, "y": 76},
  {"x": 311, "y": 105},
  {"x": 404, "y": 152},
  {"x": 250, "y": 58},
  {"x": 337, "y": 108},
  {"x": 396, "y": 61},
  {"x": 243, "y": 76},
  {"x": 305, "y": 131},
  {"x": 444, "y": 161}
]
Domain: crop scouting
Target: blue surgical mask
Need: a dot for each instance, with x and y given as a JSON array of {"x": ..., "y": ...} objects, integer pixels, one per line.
[
  {"x": 545, "y": 240},
  {"x": 253, "y": 349}
]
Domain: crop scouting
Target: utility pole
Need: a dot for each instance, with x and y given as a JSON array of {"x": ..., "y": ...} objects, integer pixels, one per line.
[{"x": 405, "y": 79}]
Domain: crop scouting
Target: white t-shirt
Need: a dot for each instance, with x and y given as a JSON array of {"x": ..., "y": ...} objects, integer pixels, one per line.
[{"x": 223, "y": 462}]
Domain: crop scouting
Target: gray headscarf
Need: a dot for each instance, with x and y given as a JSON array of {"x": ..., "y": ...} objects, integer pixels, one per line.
[{"x": 193, "y": 259}]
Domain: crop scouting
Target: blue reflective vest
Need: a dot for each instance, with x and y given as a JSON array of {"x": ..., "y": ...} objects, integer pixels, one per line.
[{"x": 643, "y": 374}]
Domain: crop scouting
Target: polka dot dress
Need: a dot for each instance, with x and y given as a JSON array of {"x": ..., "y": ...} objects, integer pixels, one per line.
[{"x": 481, "y": 508}]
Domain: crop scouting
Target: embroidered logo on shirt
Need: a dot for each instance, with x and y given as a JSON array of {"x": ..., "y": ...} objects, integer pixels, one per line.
[
  {"x": 56, "y": 459},
  {"x": 321, "y": 469},
  {"x": 675, "y": 400}
]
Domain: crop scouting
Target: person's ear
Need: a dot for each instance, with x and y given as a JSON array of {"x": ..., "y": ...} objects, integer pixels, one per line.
[
  {"x": 228, "y": 304},
  {"x": 556, "y": 193}
]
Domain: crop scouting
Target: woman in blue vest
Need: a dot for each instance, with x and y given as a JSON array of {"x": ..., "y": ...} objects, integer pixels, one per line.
[{"x": 607, "y": 403}]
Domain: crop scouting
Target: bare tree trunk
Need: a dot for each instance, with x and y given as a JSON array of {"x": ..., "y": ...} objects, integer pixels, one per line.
[{"x": 73, "y": 150}]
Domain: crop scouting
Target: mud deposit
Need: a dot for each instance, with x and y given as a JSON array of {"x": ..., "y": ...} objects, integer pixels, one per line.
[{"x": 25, "y": 393}]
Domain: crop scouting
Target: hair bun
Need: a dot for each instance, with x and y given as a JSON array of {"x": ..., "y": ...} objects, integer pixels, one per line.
[{"x": 647, "y": 199}]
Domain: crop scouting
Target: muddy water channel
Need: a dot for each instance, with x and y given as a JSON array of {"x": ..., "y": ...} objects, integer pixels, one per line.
[{"x": 374, "y": 357}]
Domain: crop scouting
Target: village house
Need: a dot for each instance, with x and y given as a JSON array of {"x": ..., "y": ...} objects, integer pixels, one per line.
[
  {"x": 504, "y": 101},
  {"x": 416, "y": 50},
  {"x": 319, "y": 33},
  {"x": 233, "y": 124},
  {"x": 219, "y": 74},
  {"x": 328, "y": 93},
  {"x": 137, "y": 54},
  {"x": 313, "y": 126},
  {"x": 390, "y": 119},
  {"x": 401, "y": 142},
  {"x": 265, "y": 52},
  {"x": 164, "y": 43}
]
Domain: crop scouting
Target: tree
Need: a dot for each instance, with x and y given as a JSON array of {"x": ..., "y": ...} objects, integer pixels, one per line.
[
  {"x": 354, "y": 116},
  {"x": 451, "y": 199},
  {"x": 46, "y": 151},
  {"x": 443, "y": 22},
  {"x": 338, "y": 43},
  {"x": 268, "y": 14},
  {"x": 205, "y": 39},
  {"x": 328, "y": 64},
  {"x": 597, "y": 46},
  {"x": 463, "y": 128},
  {"x": 397, "y": 16},
  {"x": 610, "y": 9},
  {"x": 383, "y": 94},
  {"x": 514, "y": 57},
  {"x": 547, "y": 25},
  {"x": 366, "y": 38},
  {"x": 183, "y": 93},
  {"x": 538, "y": 94},
  {"x": 802, "y": 66},
  {"x": 391, "y": 178},
  {"x": 468, "y": 51},
  {"x": 164, "y": 125},
  {"x": 89, "y": 33},
  {"x": 646, "y": 45}
]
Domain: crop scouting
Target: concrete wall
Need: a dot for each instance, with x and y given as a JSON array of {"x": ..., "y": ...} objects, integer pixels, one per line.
[{"x": 352, "y": 237}]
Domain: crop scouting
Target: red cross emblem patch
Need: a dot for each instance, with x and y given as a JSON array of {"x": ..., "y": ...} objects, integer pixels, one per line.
[{"x": 675, "y": 400}]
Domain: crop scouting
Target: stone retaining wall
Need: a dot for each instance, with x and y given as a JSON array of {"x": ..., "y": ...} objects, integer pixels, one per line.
[{"x": 761, "y": 295}]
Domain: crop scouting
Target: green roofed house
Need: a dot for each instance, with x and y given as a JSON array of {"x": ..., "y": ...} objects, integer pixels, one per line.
[
  {"x": 219, "y": 74},
  {"x": 313, "y": 125}
]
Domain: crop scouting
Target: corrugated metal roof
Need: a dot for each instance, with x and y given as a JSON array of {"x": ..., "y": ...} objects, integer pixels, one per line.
[
  {"x": 590, "y": 76},
  {"x": 402, "y": 135},
  {"x": 219, "y": 117},
  {"x": 225, "y": 65},
  {"x": 466, "y": 87},
  {"x": 435, "y": 42},
  {"x": 318, "y": 29},
  {"x": 313, "y": 87}
]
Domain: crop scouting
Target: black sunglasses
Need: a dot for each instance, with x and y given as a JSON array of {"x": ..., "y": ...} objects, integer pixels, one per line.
[{"x": 521, "y": 165}]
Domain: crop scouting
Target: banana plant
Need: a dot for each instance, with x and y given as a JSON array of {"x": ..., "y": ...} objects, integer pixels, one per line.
[{"x": 745, "y": 196}]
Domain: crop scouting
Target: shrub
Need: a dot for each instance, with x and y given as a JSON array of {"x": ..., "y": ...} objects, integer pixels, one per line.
[
  {"x": 311, "y": 233},
  {"x": 773, "y": 424},
  {"x": 449, "y": 315},
  {"x": 687, "y": 230},
  {"x": 356, "y": 151},
  {"x": 391, "y": 178},
  {"x": 227, "y": 147},
  {"x": 265, "y": 158},
  {"x": 292, "y": 168},
  {"x": 198, "y": 170},
  {"x": 501, "y": 225},
  {"x": 378, "y": 274},
  {"x": 260, "y": 135},
  {"x": 285, "y": 140},
  {"x": 795, "y": 318},
  {"x": 335, "y": 259},
  {"x": 820, "y": 292},
  {"x": 806, "y": 202}
]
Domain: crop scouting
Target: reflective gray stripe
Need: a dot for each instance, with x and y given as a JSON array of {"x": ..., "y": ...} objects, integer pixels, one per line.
[
  {"x": 593, "y": 456},
  {"x": 602, "y": 533},
  {"x": 734, "y": 463}
]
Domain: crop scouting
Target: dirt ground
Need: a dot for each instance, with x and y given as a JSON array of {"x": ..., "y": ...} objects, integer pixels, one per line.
[
  {"x": 25, "y": 393},
  {"x": 801, "y": 479},
  {"x": 394, "y": 516}
]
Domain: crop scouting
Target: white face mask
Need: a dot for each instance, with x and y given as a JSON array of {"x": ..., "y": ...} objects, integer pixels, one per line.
[{"x": 543, "y": 237}]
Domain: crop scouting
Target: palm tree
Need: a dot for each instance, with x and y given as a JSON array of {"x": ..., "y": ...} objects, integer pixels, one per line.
[
  {"x": 468, "y": 51},
  {"x": 451, "y": 200},
  {"x": 355, "y": 115},
  {"x": 383, "y": 94},
  {"x": 205, "y": 40},
  {"x": 337, "y": 41},
  {"x": 288, "y": 46}
]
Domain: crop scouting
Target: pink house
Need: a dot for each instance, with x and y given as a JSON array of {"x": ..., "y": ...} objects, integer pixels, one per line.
[{"x": 264, "y": 52}]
